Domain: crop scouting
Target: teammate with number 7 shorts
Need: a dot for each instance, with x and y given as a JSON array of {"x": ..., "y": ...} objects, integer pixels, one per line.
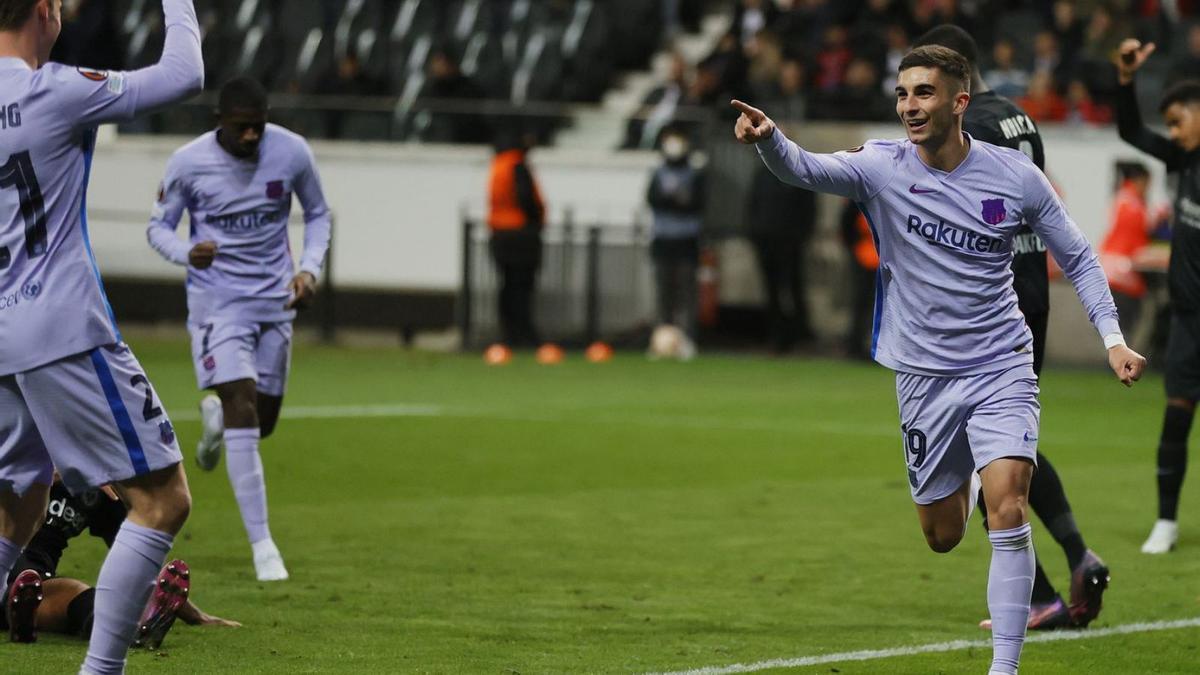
[
  {"x": 72, "y": 394},
  {"x": 944, "y": 209}
]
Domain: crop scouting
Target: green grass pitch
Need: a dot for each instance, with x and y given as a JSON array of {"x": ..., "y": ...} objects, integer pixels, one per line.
[{"x": 630, "y": 517}]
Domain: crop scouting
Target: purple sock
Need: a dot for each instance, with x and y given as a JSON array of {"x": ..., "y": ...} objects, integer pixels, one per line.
[
  {"x": 1010, "y": 583},
  {"x": 245, "y": 469},
  {"x": 126, "y": 579},
  {"x": 9, "y": 552}
]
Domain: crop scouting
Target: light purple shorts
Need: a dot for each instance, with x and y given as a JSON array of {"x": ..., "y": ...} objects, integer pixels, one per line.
[
  {"x": 94, "y": 416},
  {"x": 228, "y": 351},
  {"x": 952, "y": 426}
]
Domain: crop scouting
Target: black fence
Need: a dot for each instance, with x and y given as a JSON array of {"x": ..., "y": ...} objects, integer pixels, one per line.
[{"x": 595, "y": 283}]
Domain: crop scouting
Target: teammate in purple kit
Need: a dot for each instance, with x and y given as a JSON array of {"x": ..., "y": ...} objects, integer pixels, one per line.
[
  {"x": 73, "y": 395},
  {"x": 944, "y": 209},
  {"x": 236, "y": 183}
]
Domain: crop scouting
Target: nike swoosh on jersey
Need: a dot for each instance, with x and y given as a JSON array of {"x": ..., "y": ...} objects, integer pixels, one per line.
[{"x": 920, "y": 191}]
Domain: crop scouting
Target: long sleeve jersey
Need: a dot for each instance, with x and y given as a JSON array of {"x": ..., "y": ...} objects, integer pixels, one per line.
[
  {"x": 243, "y": 205},
  {"x": 945, "y": 304},
  {"x": 52, "y": 302}
]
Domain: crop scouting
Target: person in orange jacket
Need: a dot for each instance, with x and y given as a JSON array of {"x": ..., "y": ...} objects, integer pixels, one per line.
[
  {"x": 1128, "y": 234},
  {"x": 860, "y": 243},
  {"x": 516, "y": 215}
]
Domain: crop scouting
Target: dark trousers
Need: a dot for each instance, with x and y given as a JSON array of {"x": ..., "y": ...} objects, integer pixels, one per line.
[
  {"x": 675, "y": 265},
  {"x": 518, "y": 255},
  {"x": 781, "y": 262},
  {"x": 517, "y": 283}
]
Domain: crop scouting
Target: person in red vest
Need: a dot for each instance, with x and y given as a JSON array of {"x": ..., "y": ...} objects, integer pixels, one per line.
[
  {"x": 1128, "y": 234},
  {"x": 516, "y": 215}
]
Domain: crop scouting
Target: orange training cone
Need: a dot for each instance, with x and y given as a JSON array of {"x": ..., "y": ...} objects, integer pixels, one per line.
[
  {"x": 497, "y": 355},
  {"x": 598, "y": 352},
  {"x": 549, "y": 354}
]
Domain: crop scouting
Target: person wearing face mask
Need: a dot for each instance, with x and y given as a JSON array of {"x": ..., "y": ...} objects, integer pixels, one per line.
[{"x": 676, "y": 196}]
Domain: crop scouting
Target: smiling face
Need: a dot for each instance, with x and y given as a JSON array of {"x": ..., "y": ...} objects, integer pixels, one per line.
[{"x": 930, "y": 105}]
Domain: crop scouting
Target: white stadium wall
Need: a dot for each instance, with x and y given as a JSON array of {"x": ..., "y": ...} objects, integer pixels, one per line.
[{"x": 399, "y": 208}]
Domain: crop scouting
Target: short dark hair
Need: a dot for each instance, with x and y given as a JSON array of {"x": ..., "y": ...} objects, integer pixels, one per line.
[
  {"x": 953, "y": 37},
  {"x": 1187, "y": 91},
  {"x": 241, "y": 93},
  {"x": 951, "y": 63},
  {"x": 14, "y": 13}
]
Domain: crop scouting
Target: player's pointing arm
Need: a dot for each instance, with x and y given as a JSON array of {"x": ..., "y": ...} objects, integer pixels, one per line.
[
  {"x": 1049, "y": 218},
  {"x": 858, "y": 174}
]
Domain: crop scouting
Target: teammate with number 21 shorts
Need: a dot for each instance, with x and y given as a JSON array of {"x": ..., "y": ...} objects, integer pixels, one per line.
[
  {"x": 72, "y": 394},
  {"x": 944, "y": 209}
]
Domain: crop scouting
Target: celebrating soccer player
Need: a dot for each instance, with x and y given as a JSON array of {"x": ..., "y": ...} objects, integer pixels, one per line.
[
  {"x": 997, "y": 120},
  {"x": 945, "y": 209},
  {"x": 1180, "y": 108},
  {"x": 236, "y": 183},
  {"x": 73, "y": 395}
]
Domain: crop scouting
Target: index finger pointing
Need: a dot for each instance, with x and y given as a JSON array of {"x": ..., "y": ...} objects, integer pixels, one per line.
[{"x": 746, "y": 109}]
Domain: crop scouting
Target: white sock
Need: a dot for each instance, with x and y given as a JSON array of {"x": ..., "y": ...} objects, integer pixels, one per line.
[
  {"x": 1010, "y": 585},
  {"x": 245, "y": 469},
  {"x": 9, "y": 552}
]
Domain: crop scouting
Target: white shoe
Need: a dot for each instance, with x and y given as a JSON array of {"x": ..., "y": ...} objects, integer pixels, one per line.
[
  {"x": 268, "y": 563},
  {"x": 212, "y": 423},
  {"x": 1162, "y": 538}
]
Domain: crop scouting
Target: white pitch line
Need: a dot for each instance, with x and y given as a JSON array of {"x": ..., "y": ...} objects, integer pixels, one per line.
[
  {"x": 342, "y": 411},
  {"x": 956, "y": 645}
]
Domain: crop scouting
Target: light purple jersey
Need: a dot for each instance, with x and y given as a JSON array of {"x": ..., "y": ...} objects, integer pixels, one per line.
[
  {"x": 52, "y": 302},
  {"x": 242, "y": 205},
  {"x": 945, "y": 304}
]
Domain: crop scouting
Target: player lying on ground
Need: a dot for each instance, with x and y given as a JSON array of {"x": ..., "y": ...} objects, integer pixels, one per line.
[
  {"x": 1180, "y": 108},
  {"x": 997, "y": 120},
  {"x": 236, "y": 183},
  {"x": 944, "y": 209},
  {"x": 40, "y": 600},
  {"x": 73, "y": 395}
]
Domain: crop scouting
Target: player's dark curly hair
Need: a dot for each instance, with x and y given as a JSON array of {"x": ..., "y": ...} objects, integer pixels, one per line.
[
  {"x": 1187, "y": 91},
  {"x": 952, "y": 64},
  {"x": 14, "y": 13},
  {"x": 241, "y": 93},
  {"x": 949, "y": 35}
]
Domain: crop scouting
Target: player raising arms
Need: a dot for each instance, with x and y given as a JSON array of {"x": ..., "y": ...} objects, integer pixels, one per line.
[
  {"x": 73, "y": 395},
  {"x": 944, "y": 210},
  {"x": 1180, "y": 108},
  {"x": 236, "y": 183},
  {"x": 994, "y": 119}
]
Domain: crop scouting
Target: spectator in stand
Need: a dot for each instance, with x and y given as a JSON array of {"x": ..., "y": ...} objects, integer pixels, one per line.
[
  {"x": 1067, "y": 28},
  {"x": 832, "y": 60},
  {"x": 88, "y": 27},
  {"x": 1048, "y": 56},
  {"x": 750, "y": 17},
  {"x": 897, "y": 46},
  {"x": 1005, "y": 77},
  {"x": 1042, "y": 102},
  {"x": 766, "y": 58},
  {"x": 877, "y": 15},
  {"x": 858, "y": 98},
  {"x": 786, "y": 96},
  {"x": 1081, "y": 109},
  {"x": 728, "y": 63},
  {"x": 1187, "y": 64},
  {"x": 659, "y": 106},
  {"x": 347, "y": 78},
  {"x": 448, "y": 84},
  {"x": 1128, "y": 234},
  {"x": 864, "y": 261},
  {"x": 782, "y": 219},
  {"x": 802, "y": 23},
  {"x": 676, "y": 196}
]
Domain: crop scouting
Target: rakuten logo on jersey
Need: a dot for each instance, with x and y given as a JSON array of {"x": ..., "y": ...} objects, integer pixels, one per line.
[{"x": 949, "y": 235}]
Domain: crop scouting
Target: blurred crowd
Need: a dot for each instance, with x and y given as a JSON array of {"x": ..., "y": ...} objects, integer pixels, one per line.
[{"x": 836, "y": 59}]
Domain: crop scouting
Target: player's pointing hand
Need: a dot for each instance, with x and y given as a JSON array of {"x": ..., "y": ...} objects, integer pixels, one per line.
[
  {"x": 202, "y": 255},
  {"x": 752, "y": 125},
  {"x": 1126, "y": 363}
]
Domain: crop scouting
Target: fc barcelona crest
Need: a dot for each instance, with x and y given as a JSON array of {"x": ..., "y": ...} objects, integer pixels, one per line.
[
  {"x": 993, "y": 211},
  {"x": 274, "y": 189}
]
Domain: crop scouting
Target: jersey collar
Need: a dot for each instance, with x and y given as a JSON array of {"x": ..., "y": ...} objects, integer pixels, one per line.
[
  {"x": 13, "y": 63},
  {"x": 943, "y": 175}
]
